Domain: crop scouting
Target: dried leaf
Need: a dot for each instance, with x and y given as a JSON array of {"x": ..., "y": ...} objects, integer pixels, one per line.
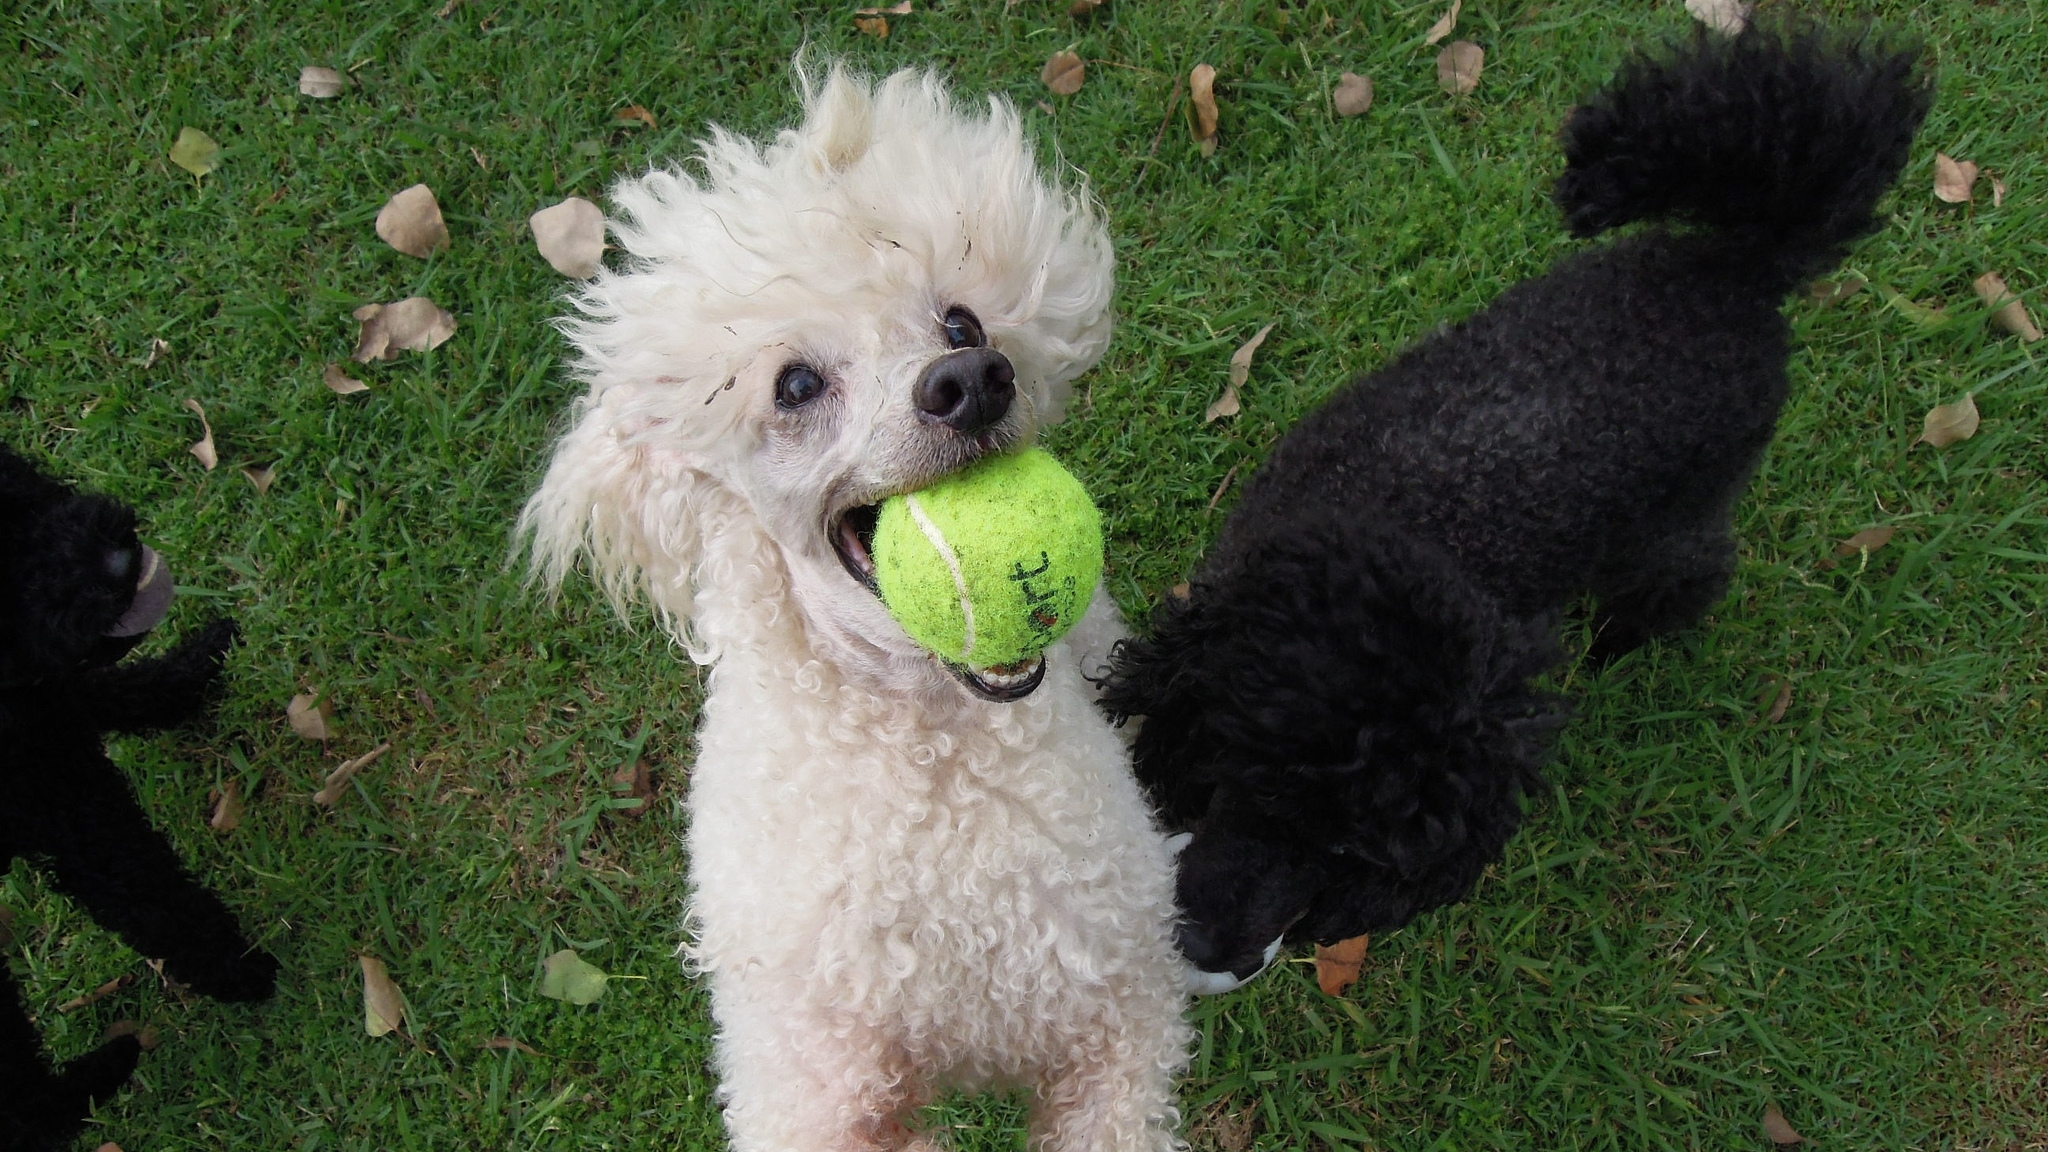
[
  {"x": 1353, "y": 95},
  {"x": 1240, "y": 371},
  {"x": 1953, "y": 180},
  {"x": 1458, "y": 66},
  {"x": 194, "y": 151},
  {"x": 1997, "y": 192},
  {"x": 876, "y": 26},
  {"x": 145, "y": 1036},
  {"x": 1828, "y": 293},
  {"x": 1724, "y": 16},
  {"x": 567, "y": 976},
  {"x": 413, "y": 324},
  {"x": 635, "y": 783},
  {"x": 1202, "y": 97},
  {"x": 411, "y": 222},
  {"x": 570, "y": 235},
  {"x": 98, "y": 994},
  {"x": 322, "y": 83},
  {"x": 1223, "y": 486},
  {"x": 341, "y": 382},
  {"x": 1064, "y": 73},
  {"x": 1778, "y": 1128},
  {"x": 1081, "y": 8},
  {"x": 227, "y": 807},
  {"x": 1338, "y": 965},
  {"x": 634, "y": 112},
  {"x": 506, "y": 1043},
  {"x": 311, "y": 715},
  {"x": 1774, "y": 698},
  {"x": 337, "y": 780},
  {"x": 2009, "y": 313},
  {"x": 1181, "y": 591},
  {"x": 1945, "y": 424},
  {"x": 260, "y": 475},
  {"x": 902, "y": 9},
  {"x": 383, "y": 1005},
  {"x": 1444, "y": 24},
  {"x": 158, "y": 349},
  {"x": 1918, "y": 313},
  {"x": 1866, "y": 541},
  {"x": 204, "y": 449}
]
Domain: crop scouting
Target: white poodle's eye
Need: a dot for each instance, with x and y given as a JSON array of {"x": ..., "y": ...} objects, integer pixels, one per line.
[
  {"x": 798, "y": 385},
  {"x": 963, "y": 330}
]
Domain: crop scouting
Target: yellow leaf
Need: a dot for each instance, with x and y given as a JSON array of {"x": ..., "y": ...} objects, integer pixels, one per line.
[
  {"x": 194, "y": 151},
  {"x": 383, "y": 1005}
]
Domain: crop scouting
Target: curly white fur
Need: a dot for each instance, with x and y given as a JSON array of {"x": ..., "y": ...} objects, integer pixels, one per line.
[{"x": 898, "y": 887}]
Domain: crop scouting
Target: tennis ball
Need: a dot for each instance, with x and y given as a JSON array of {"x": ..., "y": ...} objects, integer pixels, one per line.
[{"x": 992, "y": 563}]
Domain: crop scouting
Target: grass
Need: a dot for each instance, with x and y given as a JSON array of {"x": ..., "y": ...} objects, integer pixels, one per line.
[{"x": 1842, "y": 913}]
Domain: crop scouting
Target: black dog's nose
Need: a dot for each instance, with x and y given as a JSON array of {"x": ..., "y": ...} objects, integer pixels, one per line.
[{"x": 967, "y": 390}]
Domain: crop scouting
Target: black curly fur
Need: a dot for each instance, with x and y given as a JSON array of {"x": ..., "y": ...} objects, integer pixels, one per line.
[
  {"x": 67, "y": 573},
  {"x": 1341, "y": 709}
]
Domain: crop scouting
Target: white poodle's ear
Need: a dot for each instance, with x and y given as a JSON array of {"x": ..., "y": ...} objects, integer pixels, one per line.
[
  {"x": 635, "y": 507},
  {"x": 839, "y": 118}
]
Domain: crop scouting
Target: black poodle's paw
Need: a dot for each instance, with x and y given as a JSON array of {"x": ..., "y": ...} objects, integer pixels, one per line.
[
  {"x": 94, "y": 1077},
  {"x": 203, "y": 653},
  {"x": 241, "y": 979}
]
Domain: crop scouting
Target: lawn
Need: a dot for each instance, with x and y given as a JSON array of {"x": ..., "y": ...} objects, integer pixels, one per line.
[{"x": 1841, "y": 912}]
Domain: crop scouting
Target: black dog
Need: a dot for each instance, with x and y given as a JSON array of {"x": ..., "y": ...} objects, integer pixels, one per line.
[
  {"x": 77, "y": 591},
  {"x": 1340, "y": 710}
]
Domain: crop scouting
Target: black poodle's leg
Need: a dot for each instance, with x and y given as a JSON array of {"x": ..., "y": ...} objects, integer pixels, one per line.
[
  {"x": 1668, "y": 586},
  {"x": 160, "y": 692},
  {"x": 41, "y": 1109},
  {"x": 105, "y": 855}
]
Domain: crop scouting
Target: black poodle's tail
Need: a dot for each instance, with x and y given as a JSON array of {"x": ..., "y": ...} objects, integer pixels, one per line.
[{"x": 1782, "y": 140}]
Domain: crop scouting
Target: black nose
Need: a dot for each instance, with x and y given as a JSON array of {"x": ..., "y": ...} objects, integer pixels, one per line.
[{"x": 967, "y": 390}]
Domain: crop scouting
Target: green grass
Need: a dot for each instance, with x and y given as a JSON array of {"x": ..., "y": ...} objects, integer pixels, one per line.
[{"x": 1842, "y": 913}]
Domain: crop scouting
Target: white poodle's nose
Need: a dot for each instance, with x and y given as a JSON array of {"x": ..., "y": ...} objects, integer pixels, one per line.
[{"x": 966, "y": 390}]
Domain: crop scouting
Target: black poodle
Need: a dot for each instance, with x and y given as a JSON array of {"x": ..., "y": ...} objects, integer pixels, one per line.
[
  {"x": 1341, "y": 709},
  {"x": 77, "y": 591}
]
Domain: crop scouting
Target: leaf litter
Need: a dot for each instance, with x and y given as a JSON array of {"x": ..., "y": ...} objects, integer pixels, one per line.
[
  {"x": 1945, "y": 424},
  {"x": 411, "y": 222},
  {"x": 323, "y": 83},
  {"x": 341, "y": 382},
  {"x": 383, "y": 1004},
  {"x": 1338, "y": 965},
  {"x": 336, "y": 783},
  {"x": 414, "y": 324},
  {"x": 1240, "y": 371},
  {"x": 1353, "y": 95},
  {"x": 204, "y": 450},
  {"x": 1458, "y": 66},
  {"x": 1954, "y": 180},
  {"x": 1064, "y": 73},
  {"x": 1445, "y": 25},
  {"x": 2008, "y": 312},
  {"x": 1202, "y": 98},
  {"x": 195, "y": 151},
  {"x": 570, "y": 236},
  {"x": 567, "y": 976},
  {"x": 1727, "y": 17},
  {"x": 311, "y": 715}
]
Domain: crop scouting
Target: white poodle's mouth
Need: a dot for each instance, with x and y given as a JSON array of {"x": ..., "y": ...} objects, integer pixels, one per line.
[{"x": 853, "y": 538}]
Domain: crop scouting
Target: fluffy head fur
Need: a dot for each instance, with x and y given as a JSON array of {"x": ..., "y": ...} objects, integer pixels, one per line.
[
  {"x": 1340, "y": 711},
  {"x": 898, "y": 885}
]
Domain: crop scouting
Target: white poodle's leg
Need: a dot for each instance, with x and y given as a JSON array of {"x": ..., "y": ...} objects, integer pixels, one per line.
[
  {"x": 1122, "y": 1103},
  {"x": 795, "y": 1083}
]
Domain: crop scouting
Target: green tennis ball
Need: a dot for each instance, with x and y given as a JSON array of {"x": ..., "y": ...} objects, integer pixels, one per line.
[{"x": 992, "y": 563}]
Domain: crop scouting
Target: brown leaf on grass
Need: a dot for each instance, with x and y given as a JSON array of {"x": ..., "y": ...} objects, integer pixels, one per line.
[
  {"x": 1240, "y": 371},
  {"x": 506, "y": 1043},
  {"x": 337, "y": 780},
  {"x": 2009, "y": 313},
  {"x": 633, "y": 783},
  {"x": 898, "y": 9},
  {"x": 322, "y": 83},
  {"x": 1827, "y": 293},
  {"x": 208, "y": 456},
  {"x": 634, "y": 112},
  {"x": 1727, "y": 17},
  {"x": 98, "y": 994},
  {"x": 1773, "y": 698},
  {"x": 145, "y": 1036},
  {"x": 195, "y": 151},
  {"x": 876, "y": 26},
  {"x": 570, "y": 236},
  {"x": 311, "y": 715},
  {"x": 1458, "y": 66},
  {"x": 109, "y": 1146},
  {"x": 1202, "y": 98},
  {"x": 414, "y": 324},
  {"x": 1084, "y": 8},
  {"x": 1338, "y": 965},
  {"x": 260, "y": 475},
  {"x": 1997, "y": 192},
  {"x": 158, "y": 349},
  {"x": 1953, "y": 179},
  {"x": 1353, "y": 95},
  {"x": 383, "y": 1005},
  {"x": 227, "y": 807},
  {"x": 1064, "y": 73},
  {"x": 1778, "y": 1128},
  {"x": 1866, "y": 541},
  {"x": 1181, "y": 591},
  {"x": 340, "y": 381},
  {"x": 1444, "y": 25},
  {"x": 1945, "y": 424},
  {"x": 411, "y": 222}
]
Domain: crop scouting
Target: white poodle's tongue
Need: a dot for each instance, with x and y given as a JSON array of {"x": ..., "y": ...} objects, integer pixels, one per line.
[{"x": 153, "y": 592}]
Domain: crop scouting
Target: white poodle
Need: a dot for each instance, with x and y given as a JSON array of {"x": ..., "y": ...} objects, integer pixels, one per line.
[{"x": 907, "y": 876}]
